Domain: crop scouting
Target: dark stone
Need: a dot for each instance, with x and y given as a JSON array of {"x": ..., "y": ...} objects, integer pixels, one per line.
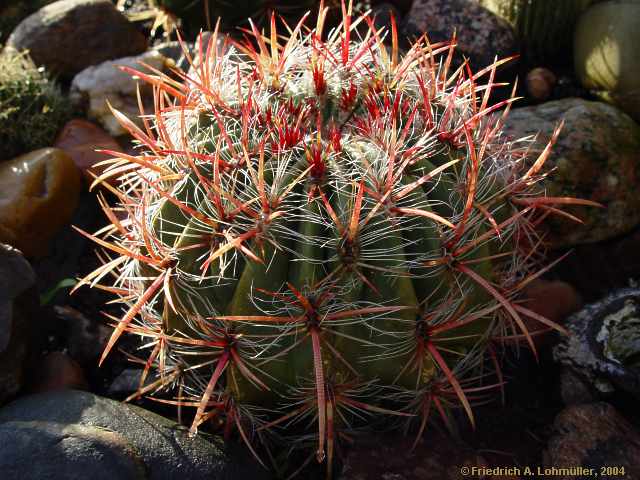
[
  {"x": 16, "y": 276},
  {"x": 575, "y": 389},
  {"x": 481, "y": 35},
  {"x": 75, "y": 452},
  {"x": 70, "y": 35},
  {"x": 594, "y": 436},
  {"x": 78, "y": 435}
]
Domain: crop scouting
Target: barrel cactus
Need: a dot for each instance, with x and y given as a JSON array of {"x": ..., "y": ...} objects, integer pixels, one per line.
[
  {"x": 544, "y": 28},
  {"x": 318, "y": 233}
]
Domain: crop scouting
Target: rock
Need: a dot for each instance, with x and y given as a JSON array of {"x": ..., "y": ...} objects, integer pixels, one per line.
[
  {"x": 58, "y": 371},
  {"x": 606, "y": 53},
  {"x": 85, "y": 337},
  {"x": 74, "y": 435},
  {"x": 554, "y": 300},
  {"x": 593, "y": 436},
  {"x": 392, "y": 458},
  {"x": 80, "y": 139},
  {"x": 96, "y": 85},
  {"x": 575, "y": 389},
  {"x": 70, "y": 35},
  {"x": 38, "y": 194},
  {"x": 16, "y": 276},
  {"x": 540, "y": 83},
  {"x": 604, "y": 345},
  {"x": 12, "y": 12},
  {"x": 595, "y": 158},
  {"x": 126, "y": 383},
  {"x": 481, "y": 35}
]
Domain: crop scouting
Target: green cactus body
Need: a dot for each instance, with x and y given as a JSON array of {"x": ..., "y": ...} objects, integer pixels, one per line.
[
  {"x": 544, "y": 27},
  {"x": 322, "y": 231}
]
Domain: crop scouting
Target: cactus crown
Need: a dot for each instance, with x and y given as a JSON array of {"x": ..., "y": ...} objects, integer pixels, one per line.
[{"x": 318, "y": 230}]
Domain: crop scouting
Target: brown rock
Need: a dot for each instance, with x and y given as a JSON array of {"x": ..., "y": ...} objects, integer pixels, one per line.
[
  {"x": 593, "y": 436},
  {"x": 554, "y": 300},
  {"x": 58, "y": 371},
  {"x": 80, "y": 139},
  {"x": 38, "y": 194},
  {"x": 540, "y": 83},
  {"x": 69, "y": 35}
]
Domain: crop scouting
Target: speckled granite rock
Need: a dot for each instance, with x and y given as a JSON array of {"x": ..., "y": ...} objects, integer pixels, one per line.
[
  {"x": 604, "y": 345},
  {"x": 481, "y": 34},
  {"x": 70, "y": 35},
  {"x": 593, "y": 436},
  {"x": 597, "y": 157},
  {"x": 71, "y": 435}
]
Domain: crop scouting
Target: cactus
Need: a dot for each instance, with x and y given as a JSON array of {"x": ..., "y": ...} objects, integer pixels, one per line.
[
  {"x": 605, "y": 57},
  {"x": 543, "y": 27},
  {"x": 32, "y": 106},
  {"x": 319, "y": 233}
]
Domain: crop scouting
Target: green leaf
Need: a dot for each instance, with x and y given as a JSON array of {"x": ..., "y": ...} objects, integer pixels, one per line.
[{"x": 48, "y": 296}]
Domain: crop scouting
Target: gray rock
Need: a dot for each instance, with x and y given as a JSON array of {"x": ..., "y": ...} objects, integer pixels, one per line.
[
  {"x": 72, "y": 452},
  {"x": 97, "y": 85},
  {"x": 78, "y": 435},
  {"x": 596, "y": 157},
  {"x": 481, "y": 35},
  {"x": 126, "y": 383},
  {"x": 69, "y": 35},
  {"x": 575, "y": 389},
  {"x": 16, "y": 276},
  {"x": 593, "y": 349},
  {"x": 593, "y": 436}
]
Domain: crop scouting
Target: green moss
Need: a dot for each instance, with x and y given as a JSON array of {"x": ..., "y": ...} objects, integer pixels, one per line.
[{"x": 32, "y": 107}]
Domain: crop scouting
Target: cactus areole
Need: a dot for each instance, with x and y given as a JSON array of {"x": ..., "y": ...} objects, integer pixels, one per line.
[{"x": 319, "y": 232}]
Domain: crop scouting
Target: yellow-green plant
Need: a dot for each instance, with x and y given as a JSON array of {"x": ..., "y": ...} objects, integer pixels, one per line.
[{"x": 32, "y": 107}]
